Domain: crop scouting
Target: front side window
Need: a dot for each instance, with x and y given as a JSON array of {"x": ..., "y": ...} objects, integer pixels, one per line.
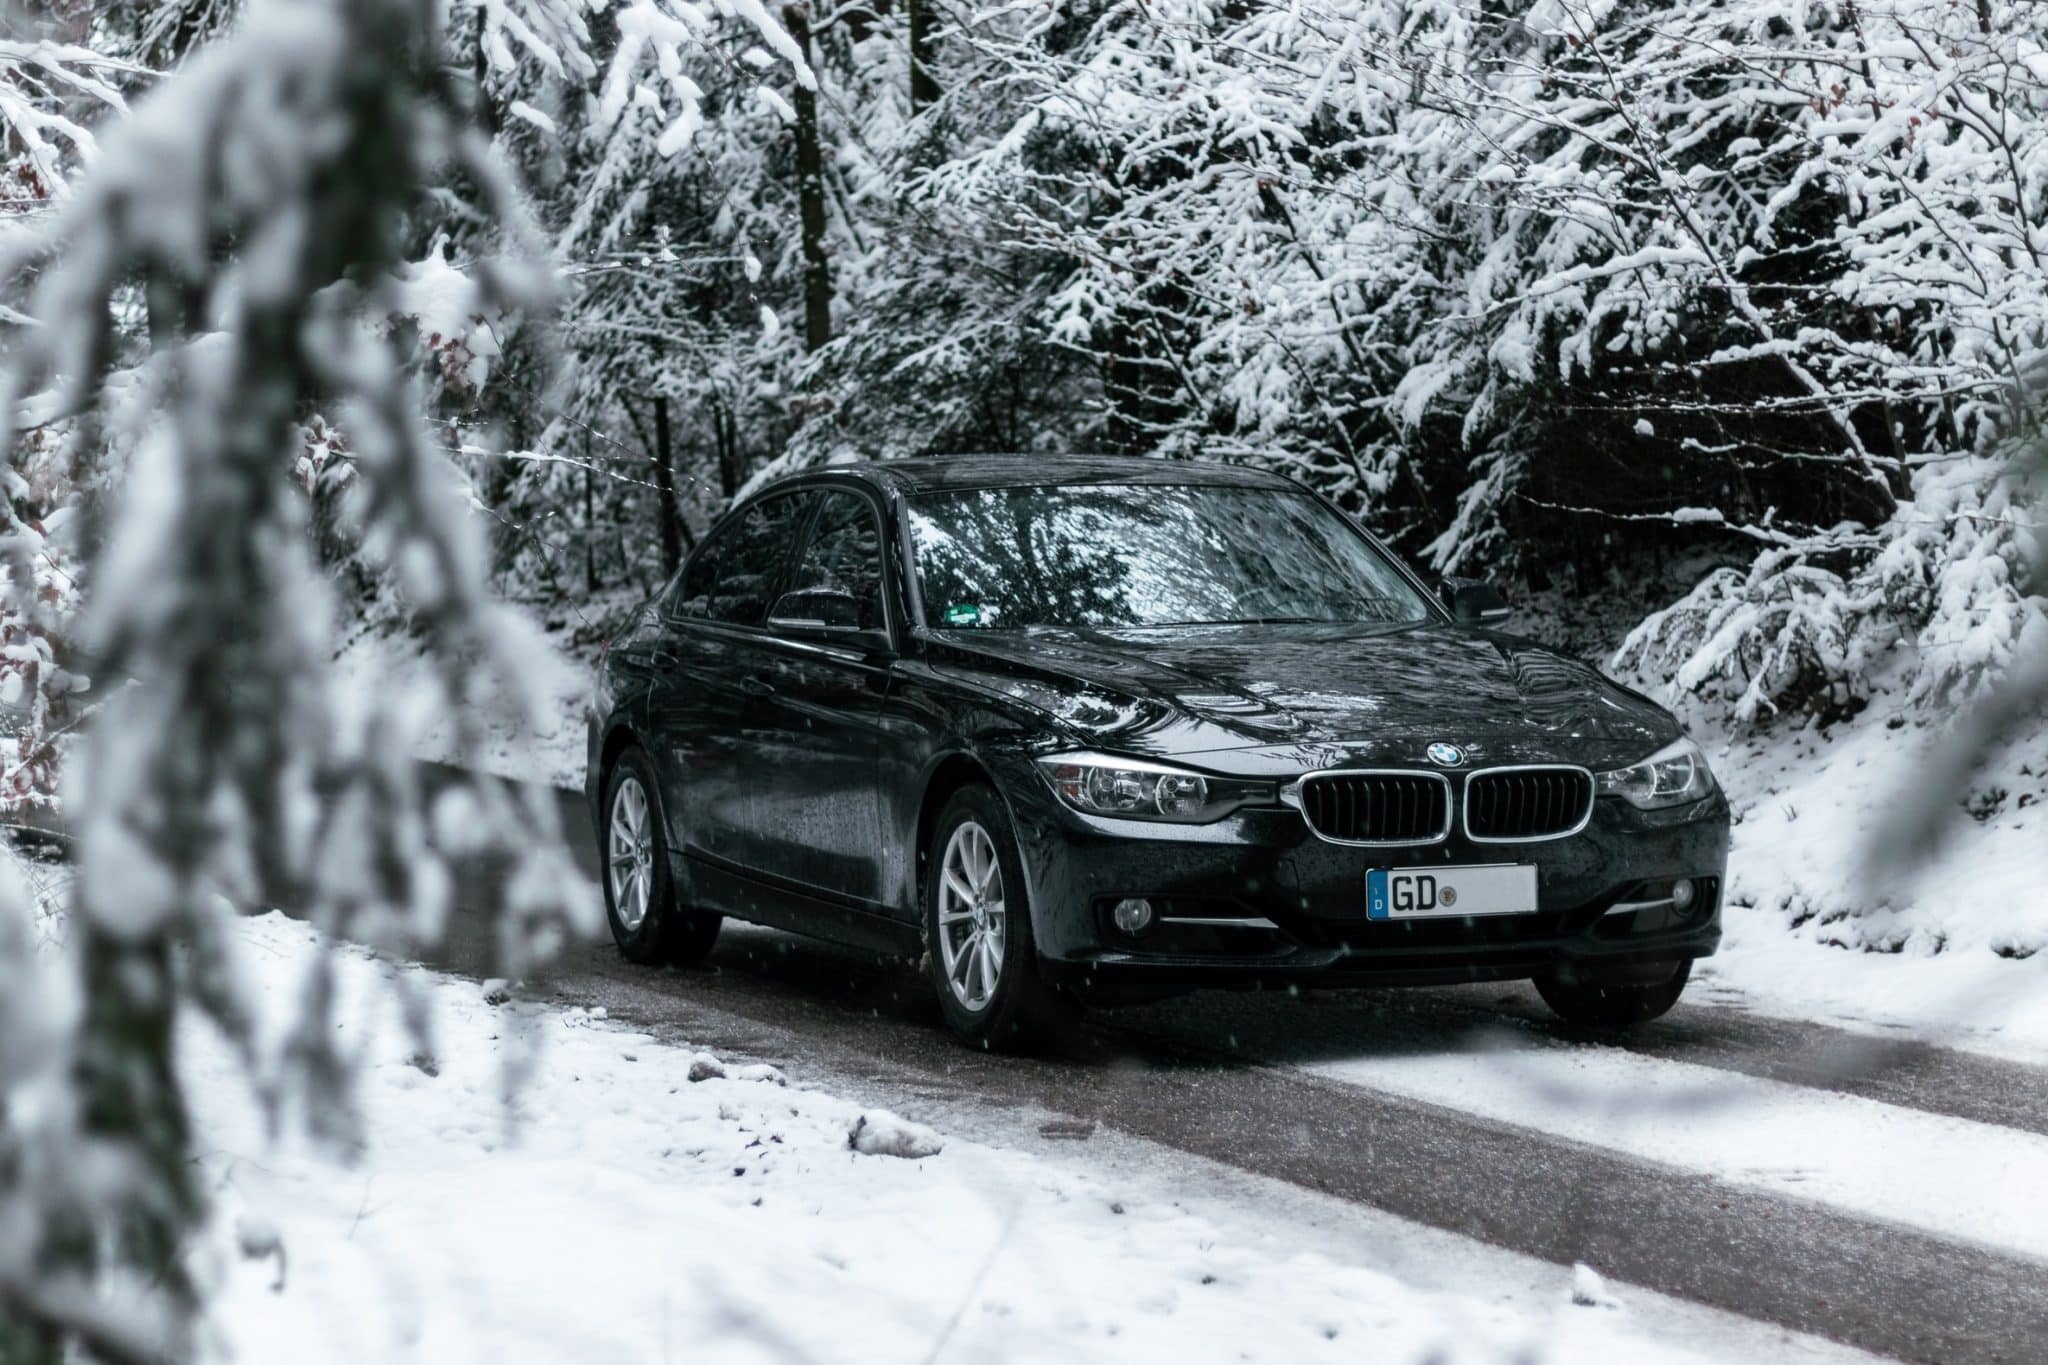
[
  {"x": 750, "y": 556},
  {"x": 1139, "y": 555},
  {"x": 839, "y": 577}
]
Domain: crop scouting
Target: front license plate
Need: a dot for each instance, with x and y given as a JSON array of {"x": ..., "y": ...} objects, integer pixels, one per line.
[{"x": 1450, "y": 892}]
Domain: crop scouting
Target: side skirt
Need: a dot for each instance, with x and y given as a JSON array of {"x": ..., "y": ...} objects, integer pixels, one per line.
[{"x": 778, "y": 905}]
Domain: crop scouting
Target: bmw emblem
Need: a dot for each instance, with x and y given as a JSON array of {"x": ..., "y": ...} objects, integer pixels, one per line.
[{"x": 1445, "y": 755}]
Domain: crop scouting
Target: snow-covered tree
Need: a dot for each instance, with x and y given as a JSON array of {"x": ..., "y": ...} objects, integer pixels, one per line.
[
  {"x": 1530, "y": 284},
  {"x": 53, "y": 90},
  {"x": 235, "y": 282}
]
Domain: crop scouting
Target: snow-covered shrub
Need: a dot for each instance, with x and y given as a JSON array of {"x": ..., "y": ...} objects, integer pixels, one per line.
[
  {"x": 1756, "y": 634},
  {"x": 50, "y": 93},
  {"x": 1948, "y": 578},
  {"x": 451, "y": 320},
  {"x": 40, "y": 685},
  {"x": 1962, "y": 572}
]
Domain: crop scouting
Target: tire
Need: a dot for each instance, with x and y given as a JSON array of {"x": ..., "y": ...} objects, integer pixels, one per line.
[
  {"x": 639, "y": 893},
  {"x": 989, "y": 1001},
  {"x": 1594, "y": 1004}
]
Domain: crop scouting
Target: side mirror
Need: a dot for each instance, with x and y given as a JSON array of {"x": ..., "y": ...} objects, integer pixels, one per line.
[
  {"x": 1473, "y": 601},
  {"x": 815, "y": 609},
  {"x": 827, "y": 614}
]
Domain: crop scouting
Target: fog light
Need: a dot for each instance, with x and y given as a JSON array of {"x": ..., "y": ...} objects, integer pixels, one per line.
[
  {"x": 1682, "y": 895},
  {"x": 1132, "y": 916}
]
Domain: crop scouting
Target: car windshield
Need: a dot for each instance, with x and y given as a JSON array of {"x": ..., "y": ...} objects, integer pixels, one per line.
[{"x": 1136, "y": 555}]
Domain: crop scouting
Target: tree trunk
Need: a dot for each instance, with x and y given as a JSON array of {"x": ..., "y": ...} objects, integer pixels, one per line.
[
  {"x": 486, "y": 112},
  {"x": 589, "y": 521},
  {"x": 665, "y": 484},
  {"x": 725, "y": 430},
  {"x": 924, "y": 87},
  {"x": 810, "y": 188}
]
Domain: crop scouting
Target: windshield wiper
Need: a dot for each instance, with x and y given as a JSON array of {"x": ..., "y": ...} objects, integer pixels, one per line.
[{"x": 1263, "y": 621}]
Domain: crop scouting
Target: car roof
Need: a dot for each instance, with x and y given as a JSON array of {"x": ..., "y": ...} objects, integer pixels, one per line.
[{"x": 938, "y": 473}]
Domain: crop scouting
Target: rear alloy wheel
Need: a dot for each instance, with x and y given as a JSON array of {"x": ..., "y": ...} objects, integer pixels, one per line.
[
  {"x": 1596, "y": 1004},
  {"x": 639, "y": 895},
  {"x": 982, "y": 959}
]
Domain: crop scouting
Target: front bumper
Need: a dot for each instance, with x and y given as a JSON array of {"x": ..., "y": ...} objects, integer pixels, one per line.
[{"x": 1298, "y": 902}]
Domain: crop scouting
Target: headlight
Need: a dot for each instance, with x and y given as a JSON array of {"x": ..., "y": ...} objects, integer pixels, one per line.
[
  {"x": 1676, "y": 775},
  {"x": 1132, "y": 789}
]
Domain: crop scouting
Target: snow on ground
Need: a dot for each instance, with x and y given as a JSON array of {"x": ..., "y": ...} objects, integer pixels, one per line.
[
  {"x": 1949, "y": 955},
  {"x": 621, "y": 1211},
  {"x": 1810, "y": 803}
]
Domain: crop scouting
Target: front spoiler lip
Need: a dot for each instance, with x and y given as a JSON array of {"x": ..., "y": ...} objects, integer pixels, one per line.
[{"x": 1384, "y": 965}]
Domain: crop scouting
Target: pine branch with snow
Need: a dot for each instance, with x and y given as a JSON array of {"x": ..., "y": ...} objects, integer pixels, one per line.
[{"x": 255, "y": 202}]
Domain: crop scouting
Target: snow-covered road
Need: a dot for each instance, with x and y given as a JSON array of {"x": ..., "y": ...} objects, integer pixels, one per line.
[
  {"x": 646, "y": 1201},
  {"x": 1763, "y": 1177}
]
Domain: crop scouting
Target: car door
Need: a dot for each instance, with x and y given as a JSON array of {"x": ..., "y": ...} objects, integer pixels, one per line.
[
  {"x": 817, "y": 744},
  {"x": 709, "y": 698}
]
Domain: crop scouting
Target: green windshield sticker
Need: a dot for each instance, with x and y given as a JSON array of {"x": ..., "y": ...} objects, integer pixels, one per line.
[{"x": 963, "y": 614}]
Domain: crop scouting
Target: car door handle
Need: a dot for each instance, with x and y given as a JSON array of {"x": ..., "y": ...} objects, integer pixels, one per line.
[{"x": 754, "y": 685}]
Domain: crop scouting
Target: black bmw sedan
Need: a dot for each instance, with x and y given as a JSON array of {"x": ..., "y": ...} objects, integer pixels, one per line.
[{"x": 1095, "y": 729}]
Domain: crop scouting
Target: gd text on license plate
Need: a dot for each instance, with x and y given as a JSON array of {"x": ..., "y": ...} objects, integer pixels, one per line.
[{"x": 1438, "y": 892}]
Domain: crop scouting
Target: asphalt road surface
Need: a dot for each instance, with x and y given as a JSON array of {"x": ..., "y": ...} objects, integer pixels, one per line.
[{"x": 1222, "y": 1076}]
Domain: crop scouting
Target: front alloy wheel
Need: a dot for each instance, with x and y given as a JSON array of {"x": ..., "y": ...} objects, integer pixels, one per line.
[
  {"x": 971, "y": 920},
  {"x": 631, "y": 856},
  {"x": 639, "y": 894},
  {"x": 982, "y": 959}
]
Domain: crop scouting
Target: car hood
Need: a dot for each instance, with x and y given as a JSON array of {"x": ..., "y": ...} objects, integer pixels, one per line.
[{"x": 1293, "y": 696}]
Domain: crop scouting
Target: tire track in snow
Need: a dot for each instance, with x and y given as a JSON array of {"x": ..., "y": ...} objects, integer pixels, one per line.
[
  {"x": 1949, "y": 1177},
  {"x": 1912, "y": 1074}
]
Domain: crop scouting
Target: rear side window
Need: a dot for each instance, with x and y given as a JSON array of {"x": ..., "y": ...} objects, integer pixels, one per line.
[
  {"x": 745, "y": 562},
  {"x": 691, "y": 595}
]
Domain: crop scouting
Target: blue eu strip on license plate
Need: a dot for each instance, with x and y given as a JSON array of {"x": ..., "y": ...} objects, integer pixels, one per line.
[{"x": 1376, "y": 894}]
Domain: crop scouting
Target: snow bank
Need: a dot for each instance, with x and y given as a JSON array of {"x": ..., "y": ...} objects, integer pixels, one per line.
[
  {"x": 1811, "y": 803},
  {"x": 1951, "y": 954}
]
